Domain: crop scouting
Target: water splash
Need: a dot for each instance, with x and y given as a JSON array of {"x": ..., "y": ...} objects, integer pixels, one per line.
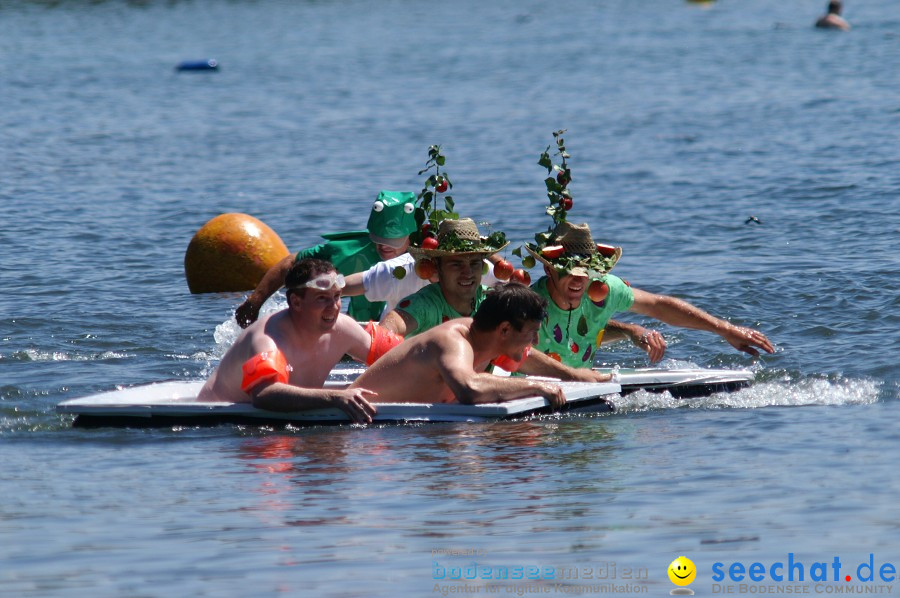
[
  {"x": 36, "y": 355},
  {"x": 228, "y": 331},
  {"x": 785, "y": 392}
]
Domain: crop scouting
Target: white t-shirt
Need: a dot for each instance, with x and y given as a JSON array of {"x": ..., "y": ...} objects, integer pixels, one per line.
[{"x": 380, "y": 284}]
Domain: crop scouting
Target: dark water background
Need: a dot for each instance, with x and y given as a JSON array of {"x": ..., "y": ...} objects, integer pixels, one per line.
[{"x": 682, "y": 121}]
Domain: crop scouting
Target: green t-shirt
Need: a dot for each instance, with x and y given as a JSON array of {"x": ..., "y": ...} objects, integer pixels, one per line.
[
  {"x": 350, "y": 253},
  {"x": 429, "y": 308},
  {"x": 572, "y": 335}
]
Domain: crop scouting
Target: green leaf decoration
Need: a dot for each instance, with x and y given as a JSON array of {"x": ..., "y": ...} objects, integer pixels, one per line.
[
  {"x": 543, "y": 239},
  {"x": 557, "y": 188},
  {"x": 517, "y": 251},
  {"x": 545, "y": 160},
  {"x": 448, "y": 203},
  {"x": 582, "y": 326}
]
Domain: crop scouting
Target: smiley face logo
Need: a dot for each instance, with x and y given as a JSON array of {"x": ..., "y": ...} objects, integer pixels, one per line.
[{"x": 682, "y": 571}]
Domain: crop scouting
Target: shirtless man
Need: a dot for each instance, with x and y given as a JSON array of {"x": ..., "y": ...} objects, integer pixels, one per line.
[
  {"x": 281, "y": 362},
  {"x": 447, "y": 363},
  {"x": 833, "y": 19}
]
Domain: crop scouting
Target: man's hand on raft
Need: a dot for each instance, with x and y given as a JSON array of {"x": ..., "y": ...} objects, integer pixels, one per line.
[
  {"x": 352, "y": 401},
  {"x": 588, "y": 375},
  {"x": 554, "y": 394}
]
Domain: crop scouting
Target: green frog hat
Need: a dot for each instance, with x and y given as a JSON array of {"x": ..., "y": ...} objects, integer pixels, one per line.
[{"x": 393, "y": 218}]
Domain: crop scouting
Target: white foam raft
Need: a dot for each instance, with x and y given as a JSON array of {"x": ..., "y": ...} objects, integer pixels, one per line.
[{"x": 174, "y": 403}]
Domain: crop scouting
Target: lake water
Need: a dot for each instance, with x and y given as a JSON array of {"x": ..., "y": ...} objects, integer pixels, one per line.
[{"x": 683, "y": 121}]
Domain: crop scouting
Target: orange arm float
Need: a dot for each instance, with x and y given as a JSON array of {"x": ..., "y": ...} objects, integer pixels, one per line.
[
  {"x": 509, "y": 364},
  {"x": 383, "y": 340},
  {"x": 265, "y": 367}
]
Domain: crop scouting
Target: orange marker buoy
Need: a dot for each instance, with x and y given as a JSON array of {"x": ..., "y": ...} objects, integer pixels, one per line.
[{"x": 231, "y": 252}]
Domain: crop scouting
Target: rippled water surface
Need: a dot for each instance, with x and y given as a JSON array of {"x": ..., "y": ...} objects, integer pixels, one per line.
[{"x": 683, "y": 121}]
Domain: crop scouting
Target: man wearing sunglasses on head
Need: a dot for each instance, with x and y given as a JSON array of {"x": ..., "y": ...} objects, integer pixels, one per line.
[
  {"x": 281, "y": 362},
  {"x": 391, "y": 221}
]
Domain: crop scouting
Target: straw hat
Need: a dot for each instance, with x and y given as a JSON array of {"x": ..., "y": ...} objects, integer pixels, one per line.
[
  {"x": 461, "y": 237},
  {"x": 580, "y": 256}
]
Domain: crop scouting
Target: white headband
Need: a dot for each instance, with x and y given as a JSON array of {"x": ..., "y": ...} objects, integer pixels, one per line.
[{"x": 323, "y": 282}]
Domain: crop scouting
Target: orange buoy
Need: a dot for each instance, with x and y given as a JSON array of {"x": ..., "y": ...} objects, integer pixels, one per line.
[{"x": 231, "y": 252}]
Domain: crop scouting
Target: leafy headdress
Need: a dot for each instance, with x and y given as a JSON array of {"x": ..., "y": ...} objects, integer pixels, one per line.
[
  {"x": 441, "y": 232},
  {"x": 567, "y": 248}
]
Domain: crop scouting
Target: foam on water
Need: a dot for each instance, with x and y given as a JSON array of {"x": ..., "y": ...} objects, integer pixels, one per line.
[
  {"x": 37, "y": 355},
  {"x": 228, "y": 331},
  {"x": 788, "y": 392}
]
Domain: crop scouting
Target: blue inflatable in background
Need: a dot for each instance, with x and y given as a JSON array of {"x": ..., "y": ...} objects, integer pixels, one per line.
[{"x": 198, "y": 65}]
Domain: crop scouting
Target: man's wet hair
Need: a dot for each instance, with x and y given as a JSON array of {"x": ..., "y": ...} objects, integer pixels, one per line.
[
  {"x": 302, "y": 271},
  {"x": 511, "y": 302},
  {"x": 834, "y": 7}
]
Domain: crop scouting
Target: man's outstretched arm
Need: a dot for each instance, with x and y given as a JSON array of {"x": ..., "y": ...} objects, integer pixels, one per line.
[
  {"x": 279, "y": 396},
  {"x": 681, "y": 313},
  {"x": 454, "y": 360},
  {"x": 248, "y": 311},
  {"x": 538, "y": 364}
]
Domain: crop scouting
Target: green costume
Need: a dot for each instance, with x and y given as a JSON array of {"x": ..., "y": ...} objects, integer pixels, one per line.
[
  {"x": 391, "y": 220},
  {"x": 429, "y": 308},
  {"x": 573, "y": 335},
  {"x": 350, "y": 253}
]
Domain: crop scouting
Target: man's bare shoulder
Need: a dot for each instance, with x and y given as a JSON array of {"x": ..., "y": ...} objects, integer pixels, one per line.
[
  {"x": 344, "y": 321},
  {"x": 831, "y": 21},
  {"x": 449, "y": 330},
  {"x": 345, "y": 326},
  {"x": 259, "y": 333}
]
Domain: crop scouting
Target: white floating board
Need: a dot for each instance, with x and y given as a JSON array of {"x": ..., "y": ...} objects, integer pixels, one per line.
[
  {"x": 173, "y": 403},
  {"x": 681, "y": 383}
]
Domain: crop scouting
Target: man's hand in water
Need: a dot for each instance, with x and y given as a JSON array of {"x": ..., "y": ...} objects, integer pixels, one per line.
[{"x": 745, "y": 339}]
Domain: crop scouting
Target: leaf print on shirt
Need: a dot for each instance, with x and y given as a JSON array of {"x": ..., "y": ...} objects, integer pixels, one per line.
[
  {"x": 582, "y": 326},
  {"x": 557, "y": 333}
]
